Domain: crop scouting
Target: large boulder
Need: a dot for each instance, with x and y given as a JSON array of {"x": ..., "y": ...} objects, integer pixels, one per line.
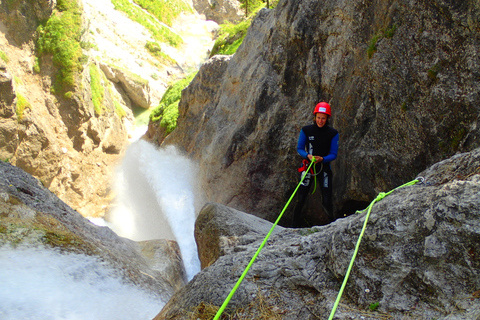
[
  {"x": 419, "y": 259},
  {"x": 219, "y": 230},
  {"x": 401, "y": 76}
]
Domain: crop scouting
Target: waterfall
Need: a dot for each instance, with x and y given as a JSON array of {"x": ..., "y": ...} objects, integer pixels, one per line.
[
  {"x": 156, "y": 199},
  {"x": 45, "y": 284}
]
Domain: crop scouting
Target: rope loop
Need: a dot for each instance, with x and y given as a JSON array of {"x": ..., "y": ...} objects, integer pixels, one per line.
[{"x": 380, "y": 196}]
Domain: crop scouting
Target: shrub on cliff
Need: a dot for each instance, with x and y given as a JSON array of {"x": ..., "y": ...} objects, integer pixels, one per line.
[{"x": 167, "y": 111}]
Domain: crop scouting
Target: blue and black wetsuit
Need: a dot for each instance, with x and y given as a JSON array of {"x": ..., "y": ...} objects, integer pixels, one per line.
[{"x": 318, "y": 142}]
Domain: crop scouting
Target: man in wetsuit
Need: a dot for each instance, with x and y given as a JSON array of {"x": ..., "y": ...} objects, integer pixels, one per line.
[{"x": 317, "y": 142}]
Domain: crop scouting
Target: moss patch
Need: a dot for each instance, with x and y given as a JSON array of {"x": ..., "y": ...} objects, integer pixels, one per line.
[
  {"x": 98, "y": 91},
  {"x": 4, "y": 56},
  {"x": 60, "y": 36},
  {"x": 167, "y": 111},
  {"x": 22, "y": 104}
]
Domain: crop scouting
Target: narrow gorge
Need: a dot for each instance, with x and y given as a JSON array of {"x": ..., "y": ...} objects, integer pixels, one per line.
[{"x": 182, "y": 213}]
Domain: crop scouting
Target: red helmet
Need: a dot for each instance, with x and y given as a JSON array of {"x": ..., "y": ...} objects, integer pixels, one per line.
[{"x": 323, "y": 107}]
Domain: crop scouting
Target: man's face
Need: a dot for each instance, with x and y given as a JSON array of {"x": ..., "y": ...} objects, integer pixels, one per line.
[{"x": 321, "y": 119}]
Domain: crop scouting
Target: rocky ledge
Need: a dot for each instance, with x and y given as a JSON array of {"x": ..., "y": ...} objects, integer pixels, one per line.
[{"x": 419, "y": 258}]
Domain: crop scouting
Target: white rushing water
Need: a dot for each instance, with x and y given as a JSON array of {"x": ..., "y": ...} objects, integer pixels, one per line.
[
  {"x": 43, "y": 284},
  {"x": 156, "y": 199}
]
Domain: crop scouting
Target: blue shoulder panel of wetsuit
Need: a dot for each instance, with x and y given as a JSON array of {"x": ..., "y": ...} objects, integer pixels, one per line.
[
  {"x": 302, "y": 139},
  {"x": 333, "y": 150}
]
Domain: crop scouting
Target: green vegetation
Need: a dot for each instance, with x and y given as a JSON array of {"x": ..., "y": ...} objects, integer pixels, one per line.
[
  {"x": 167, "y": 111},
  {"x": 165, "y": 10},
  {"x": 374, "y": 306},
  {"x": 98, "y": 92},
  {"x": 254, "y": 5},
  {"x": 42, "y": 229},
  {"x": 309, "y": 231},
  {"x": 3, "y": 56},
  {"x": 156, "y": 51},
  {"x": 433, "y": 71},
  {"x": 230, "y": 37},
  {"x": 372, "y": 48},
  {"x": 60, "y": 37},
  {"x": 36, "y": 66},
  {"x": 388, "y": 33},
  {"x": 159, "y": 31},
  {"x": 119, "y": 110},
  {"x": 22, "y": 104}
]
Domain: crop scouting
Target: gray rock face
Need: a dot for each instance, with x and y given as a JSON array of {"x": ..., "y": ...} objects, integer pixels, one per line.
[
  {"x": 30, "y": 215},
  {"x": 401, "y": 76},
  {"x": 419, "y": 258},
  {"x": 221, "y": 230}
]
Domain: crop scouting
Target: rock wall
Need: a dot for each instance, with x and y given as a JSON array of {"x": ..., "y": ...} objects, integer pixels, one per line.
[
  {"x": 418, "y": 259},
  {"x": 401, "y": 76},
  {"x": 71, "y": 147}
]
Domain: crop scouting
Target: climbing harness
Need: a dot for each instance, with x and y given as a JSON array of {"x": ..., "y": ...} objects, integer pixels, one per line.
[
  {"x": 303, "y": 169},
  {"x": 232, "y": 292},
  {"x": 380, "y": 196}
]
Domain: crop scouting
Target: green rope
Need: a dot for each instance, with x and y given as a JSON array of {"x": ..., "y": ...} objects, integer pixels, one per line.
[
  {"x": 314, "y": 179},
  {"x": 369, "y": 208},
  {"x": 232, "y": 292}
]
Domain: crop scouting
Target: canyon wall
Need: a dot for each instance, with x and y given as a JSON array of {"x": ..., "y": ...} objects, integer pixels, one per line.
[{"x": 401, "y": 76}]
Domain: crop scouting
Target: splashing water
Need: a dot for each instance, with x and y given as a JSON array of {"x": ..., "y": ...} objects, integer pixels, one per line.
[
  {"x": 44, "y": 284},
  {"x": 155, "y": 199}
]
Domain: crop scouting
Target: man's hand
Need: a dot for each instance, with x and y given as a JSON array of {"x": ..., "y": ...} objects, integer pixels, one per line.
[{"x": 315, "y": 158}]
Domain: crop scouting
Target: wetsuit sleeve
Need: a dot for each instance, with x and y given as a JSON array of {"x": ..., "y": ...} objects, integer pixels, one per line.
[
  {"x": 333, "y": 150},
  {"x": 302, "y": 139}
]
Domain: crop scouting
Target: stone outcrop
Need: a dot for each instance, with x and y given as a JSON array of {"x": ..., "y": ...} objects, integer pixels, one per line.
[
  {"x": 401, "y": 76},
  {"x": 136, "y": 89},
  {"x": 220, "y": 11},
  {"x": 419, "y": 257},
  {"x": 221, "y": 230},
  {"x": 31, "y": 215}
]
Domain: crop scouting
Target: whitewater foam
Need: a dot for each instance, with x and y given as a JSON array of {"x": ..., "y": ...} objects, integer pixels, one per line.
[
  {"x": 44, "y": 284},
  {"x": 156, "y": 199}
]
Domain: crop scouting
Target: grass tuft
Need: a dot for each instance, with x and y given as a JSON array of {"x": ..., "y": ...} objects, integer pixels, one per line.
[
  {"x": 98, "y": 92},
  {"x": 167, "y": 111},
  {"x": 22, "y": 104}
]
